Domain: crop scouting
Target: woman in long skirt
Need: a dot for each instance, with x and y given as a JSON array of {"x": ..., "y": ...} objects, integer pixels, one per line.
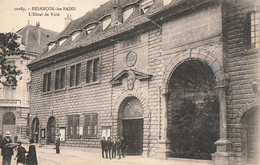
[{"x": 31, "y": 157}]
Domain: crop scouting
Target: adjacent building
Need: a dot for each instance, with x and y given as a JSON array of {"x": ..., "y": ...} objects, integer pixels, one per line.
[
  {"x": 14, "y": 94},
  {"x": 174, "y": 78}
]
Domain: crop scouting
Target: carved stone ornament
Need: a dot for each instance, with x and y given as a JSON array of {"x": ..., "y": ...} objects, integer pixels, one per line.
[
  {"x": 130, "y": 80},
  {"x": 131, "y": 59}
]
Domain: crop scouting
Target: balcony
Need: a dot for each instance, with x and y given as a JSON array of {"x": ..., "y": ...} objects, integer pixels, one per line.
[{"x": 10, "y": 102}]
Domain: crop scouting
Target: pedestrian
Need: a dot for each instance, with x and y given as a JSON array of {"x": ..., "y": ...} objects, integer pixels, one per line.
[
  {"x": 7, "y": 149},
  {"x": 114, "y": 148},
  {"x": 109, "y": 147},
  {"x": 118, "y": 147},
  {"x": 20, "y": 154},
  {"x": 123, "y": 147},
  {"x": 31, "y": 157},
  {"x": 57, "y": 144},
  {"x": 103, "y": 146}
]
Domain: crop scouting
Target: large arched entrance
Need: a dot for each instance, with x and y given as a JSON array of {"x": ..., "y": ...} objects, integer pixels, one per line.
[
  {"x": 35, "y": 129},
  {"x": 250, "y": 136},
  {"x": 131, "y": 124},
  {"x": 193, "y": 111},
  {"x": 9, "y": 123},
  {"x": 51, "y": 130}
]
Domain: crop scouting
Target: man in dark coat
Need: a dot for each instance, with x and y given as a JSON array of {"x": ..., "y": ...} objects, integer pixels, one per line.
[
  {"x": 118, "y": 147},
  {"x": 57, "y": 144},
  {"x": 123, "y": 147},
  {"x": 103, "y": 146},
  {"x": 109, "y": 147},
  {"x": 114, "y": 148},
  {"x": 7, "y": 150}
]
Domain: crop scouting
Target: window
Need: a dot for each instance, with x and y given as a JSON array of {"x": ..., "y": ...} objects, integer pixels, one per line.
[
  {"x": 61, "y": 42},
  {"x": 90, "y": 125},
  {"x": 75, "y": 75},
  {"x": 60, "y": 79},
  {"x": 74, "y": 36},
  {"x": 146, "y": 4},
  {"x": 127, "y": 13},
  {"x": 51, "y": 46},
  {"x": 93, "y": 71},
  {"x": 47, "y": 82},
  {"x": 254, "y": 30},
  {"x": 106, "y": 22},
  {"x": 166, "y": 2},
  {"x": 90, "y": 28},
  {"x": 73, "y": 125}
]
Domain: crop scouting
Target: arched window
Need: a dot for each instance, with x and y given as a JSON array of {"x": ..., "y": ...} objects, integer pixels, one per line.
[{"x": 9, "y": 119}]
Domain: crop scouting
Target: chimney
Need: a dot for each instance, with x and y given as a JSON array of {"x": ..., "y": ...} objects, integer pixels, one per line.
[
  {"x": 116, "y": 15},
  {"x": 38, "y": 30},
  {"x": 67, "y": 20}
]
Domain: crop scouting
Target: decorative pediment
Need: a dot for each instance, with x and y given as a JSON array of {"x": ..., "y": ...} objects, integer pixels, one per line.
[{"x": 138, "y": 75}]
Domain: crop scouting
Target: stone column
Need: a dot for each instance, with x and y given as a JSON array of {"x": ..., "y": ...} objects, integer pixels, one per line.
[
  {"x": 224, "y": 154},
  {"x": 162, "y": 147}
]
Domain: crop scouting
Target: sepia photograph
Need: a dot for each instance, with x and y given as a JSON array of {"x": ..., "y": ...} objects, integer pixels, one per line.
[{"x": 130, "y": 82}]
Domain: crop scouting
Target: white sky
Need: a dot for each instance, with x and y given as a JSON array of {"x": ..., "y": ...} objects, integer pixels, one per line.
[{"x": 11, "y": 20}]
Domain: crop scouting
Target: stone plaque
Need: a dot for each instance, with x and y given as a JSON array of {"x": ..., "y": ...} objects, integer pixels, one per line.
[{"x": 131, "y": 59}]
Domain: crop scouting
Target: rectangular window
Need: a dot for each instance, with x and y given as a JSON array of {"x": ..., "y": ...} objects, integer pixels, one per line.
[
  {"x": 60, "y": 79},
  {"x": 73, "y": 125},
  {"x": 47, "y": 82},
  {"x": 93, "y": 71},
  {"x": 90, "y": 125},
  {"x": 254, "y": 18},
  {"x": 75, "y": 75}
]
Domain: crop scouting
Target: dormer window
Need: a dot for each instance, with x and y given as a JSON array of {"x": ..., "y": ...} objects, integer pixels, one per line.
[
  {"x": 106, "y": 22},
  {"x": 51, "y": 46},
  {"x": 62, "y": 41},
  {"x": 127, "y": 12},
  {"x": 90, "y": 28},
  {"x": 74, "y": 36},
  {"x": 166, "y": 2},
  {"x": 146, "y": 4}
]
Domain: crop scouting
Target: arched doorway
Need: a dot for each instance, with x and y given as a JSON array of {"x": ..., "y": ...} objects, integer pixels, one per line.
[
  {"x": 35, "y": 129},
  {"x": 250, "y": 136},
  {"x": 51, "y": 130},
  {"x": 9, "y": 123},
  {"x": 131, "y": 122},
  {"x": 192, "y": 111}
]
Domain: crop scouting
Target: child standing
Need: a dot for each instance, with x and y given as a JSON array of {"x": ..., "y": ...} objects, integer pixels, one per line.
[{"x": 20, "y": 154}]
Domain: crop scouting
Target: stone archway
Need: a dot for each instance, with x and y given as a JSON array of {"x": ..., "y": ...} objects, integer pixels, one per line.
[
  {"x": 51, "y": 130},
  {"x": 9, "y": 123},
  {"x": 131, "y": 124},
  {"x": 35, "y": 129},
  {"x": 250, "y": 136},
  {"x": 223, "y": 144},
  {"x": 192, "y": 111}
]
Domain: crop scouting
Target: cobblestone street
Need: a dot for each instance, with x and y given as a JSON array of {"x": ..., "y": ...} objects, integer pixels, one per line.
[{"x": 86, "y": 156}]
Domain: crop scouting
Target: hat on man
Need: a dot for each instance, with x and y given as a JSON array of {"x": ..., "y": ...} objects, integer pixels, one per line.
[{"x": 7, "y": 133}]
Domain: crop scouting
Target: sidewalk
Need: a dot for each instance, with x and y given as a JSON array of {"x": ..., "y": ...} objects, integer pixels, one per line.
[{"x": 94, "y": 155}]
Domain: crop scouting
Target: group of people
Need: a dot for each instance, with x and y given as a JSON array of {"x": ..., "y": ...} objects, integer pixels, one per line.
[
  {"x": 24, "y": 157},
  {"x": 113, "y": 148}
]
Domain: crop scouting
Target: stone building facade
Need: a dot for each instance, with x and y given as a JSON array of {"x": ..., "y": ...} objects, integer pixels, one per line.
[
  {"x": 124, "y": 68},
  {"x": 14, "y": 97}
]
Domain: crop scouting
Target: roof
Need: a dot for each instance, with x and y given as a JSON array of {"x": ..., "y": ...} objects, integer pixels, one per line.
[
  {"x": 29, "y": 35},
  {"x": 135, "y": 21}
]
